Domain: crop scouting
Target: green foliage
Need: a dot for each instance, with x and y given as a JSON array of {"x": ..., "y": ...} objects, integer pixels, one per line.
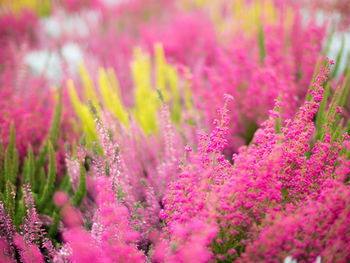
[
  {"x": 278, "y": 125},
  {"x": 229, "y": 241},
  {"x": 56, "y": 121},
  {"x": 11, "y": 160},
  {"x": 340, "y": 54},
  {"x": 50, "y": 183},
  {"x": 2, "y": 178},
  {"x": 33, "y": 170},
  {"x": 10, "y": 198},
  {"x": 329, "y": 117},
  {"x": 261, "y": 41},
  {"x": 338, "y": 100},
  {"x": 79, "y": 195},
  {"x": 54, "y": 227},
  {"x": 321, "y": 63},
  {"x": 329, "y": 41}
]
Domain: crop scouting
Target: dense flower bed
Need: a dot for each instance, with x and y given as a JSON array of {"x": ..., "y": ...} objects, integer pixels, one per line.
[{"x": 174, "y": 131}]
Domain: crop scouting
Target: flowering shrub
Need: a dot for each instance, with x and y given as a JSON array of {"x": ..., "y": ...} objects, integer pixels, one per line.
[
  {"x": 269, "y": 175},
  {"x": 317, "y": 228},
  {"x": 181, "y": 131}
]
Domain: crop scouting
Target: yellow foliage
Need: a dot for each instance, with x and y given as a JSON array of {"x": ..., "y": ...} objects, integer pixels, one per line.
[
  {"x": 41, "y": 7},
  {"x": 84, "y": 115},
  {"x": 110, "y": 93},
  {"x": 168, "y": 83},
  {"x": 89, "y": 92},
  {"x": 146, "y": 101},
  {"x": 146, "y": 98},
  {"x": 240, "y": 15}
]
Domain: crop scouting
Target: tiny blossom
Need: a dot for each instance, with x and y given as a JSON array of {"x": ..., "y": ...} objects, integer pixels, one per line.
[
  {"x": 318, "y": 228},
  {"x": 237, "y": 169},
  {"x": 7, "y": 231},
  {"x": 60, "y": 198},
  {"x": 188, "y": 148},
  {"x": 73, "y": 168},
  {"x": 28, "y": 252},
  {"x": 339, "y": 110},
  {"x": 228, "y": 97},
  {"x": 32, "y": 229}
]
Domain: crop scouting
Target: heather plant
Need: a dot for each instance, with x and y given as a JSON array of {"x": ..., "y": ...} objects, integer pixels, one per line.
[
  {"x": 142, "y": 185},
  {"x": 317, "y": 228},
  {"x": 142, "y": 176},
  {"x": 113, "y": 27},
  {"x": 30, "y": 239},
  {"x": 273, "y": 173},
  {"x": 188, "y": 243},
  {"x": 16, "y": 30},
  {"x": 30, "y": 217},
  {"x": 174, "y": 35},
  {"x": 266, "y": 20},
  {"x": 258, "y": 70},
  {"x": 26, "y": 191},
  {"x": 146, "y": 102},
  {"x": 23, "y": 101},
  {"x": 244, "y": 63},
  {"x": 101, "y": 244},
  {"x": 338, "y": 10},
  {"x": 127, "y": 184},
  {"x": 29, "y": 116}
]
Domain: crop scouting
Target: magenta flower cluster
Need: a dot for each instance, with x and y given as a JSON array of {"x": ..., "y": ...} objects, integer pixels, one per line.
[{"x": 248, "y": 157}]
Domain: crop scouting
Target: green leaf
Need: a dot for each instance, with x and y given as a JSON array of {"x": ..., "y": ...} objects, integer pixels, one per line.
[
  {"x": 56, "y": 121},
  {"x": 337, "y": 59},
  {"x": 81, "y": 191},
  {"x": 261, "y": 41},
  {"x": 40, "y": 163},
  {"x": 321, "y": 118},
  {"x": 50, "y": 183},
  {"x": 28, "y": 171},
  {"x": 278, "y": 126},
  {"x": 320, "y": 63},
  {"x": 20, "y": 211},
  {"x": 31, "y": 166},
  {"x": 2, "y": 174},
  {"x": 329, "y": 41},
  {"x": 338, "y": 131},
  {"x": 345, "y": 91},
  {"x": 41, "y": 181},
  {"x": 53, "y": 228},
  {"x": 12, "y": 143},
  {"x": 10, "y": 198},
  {"x": 64, "y": 183},
  {"x": 11, "y": 159},
  {"x": 346, "y": 70}
]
